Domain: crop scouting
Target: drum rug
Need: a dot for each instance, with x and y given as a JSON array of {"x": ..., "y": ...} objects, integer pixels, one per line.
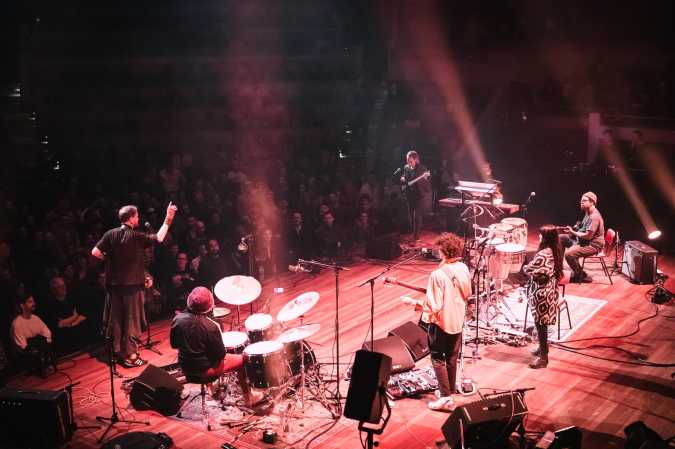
[
  {"x": 510, "y": 313},
  {"x": 293, "y": 425}
]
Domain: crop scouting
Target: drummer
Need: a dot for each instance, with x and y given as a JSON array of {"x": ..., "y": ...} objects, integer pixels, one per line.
[{"x": 201, "y": 353}]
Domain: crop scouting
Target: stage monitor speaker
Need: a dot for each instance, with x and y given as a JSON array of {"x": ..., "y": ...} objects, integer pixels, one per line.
[
  {"x": 415, "y": 339},
  {"x": 639, "y": 262},
  {"x": 140, "y": 440},
  {"x": 485, "y": 424},
  {"x": 395, "y": 348},
  {"x": 384, "y": 247},
  {"x": 36, "y": 419},
  {"x": 155, "y": 389},
  {"x": 366, "y": 394}
]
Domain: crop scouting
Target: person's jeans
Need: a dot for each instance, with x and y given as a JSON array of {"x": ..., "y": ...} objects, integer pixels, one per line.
[
  {"x": 574, "y": 252},
  {"x": 444, "y": 349}
]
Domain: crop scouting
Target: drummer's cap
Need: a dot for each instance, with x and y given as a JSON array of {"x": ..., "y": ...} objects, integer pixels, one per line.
[
  {"x": 591, "y": 196},
  {"x": 200, "y": 300}
]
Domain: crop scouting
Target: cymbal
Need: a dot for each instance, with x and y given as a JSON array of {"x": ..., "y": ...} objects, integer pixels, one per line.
[
  {"x": 298, "y": 306},
  {"x": 237, "y": 290},
  {"x": 299, "y": 333}
]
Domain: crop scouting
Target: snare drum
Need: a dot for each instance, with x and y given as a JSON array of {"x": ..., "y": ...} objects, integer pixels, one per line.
[
  {"x": 519, "y": 230},
  {"x": 235, "y": 342},
  {"x": 259, "y": 327},
  {"x": 503, "y": 231},
  {"x": 265, "y": 364},
  {"x": 508, "y": 258},
  {"x": 219, "y": 315}
]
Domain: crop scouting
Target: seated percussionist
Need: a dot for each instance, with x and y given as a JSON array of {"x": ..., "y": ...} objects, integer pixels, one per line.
[{"x": 201, "y": 353}]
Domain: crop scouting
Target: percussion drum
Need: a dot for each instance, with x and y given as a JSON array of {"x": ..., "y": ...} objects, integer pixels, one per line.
[
  {"x": 265, "y": 364},
  {"x": 259, "y": 327},
  {"x": 219, "y": 315},
  {"x": 235, "y": 342},
  {"x": 508, "y": 258},
  {"x": 519, "y": 229},
  {"x": 503, "y": 231}
]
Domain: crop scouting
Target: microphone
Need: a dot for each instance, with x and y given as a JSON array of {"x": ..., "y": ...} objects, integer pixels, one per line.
[
  {"x": 530, "y": 198},
  {"x": 146, "y": 225},
  {"x": 397, "y": 171},
  {"x": 298, "y": 269}
]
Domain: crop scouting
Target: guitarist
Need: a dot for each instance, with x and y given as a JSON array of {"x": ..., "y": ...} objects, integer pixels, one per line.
[
  {"x": 586, "y": 240},
  {"x": 416, "y": 186},
  {"x": 443, "y": 308}
]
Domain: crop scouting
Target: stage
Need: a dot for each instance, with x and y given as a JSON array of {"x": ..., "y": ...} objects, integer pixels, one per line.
[{"x": 599, "y": 394}]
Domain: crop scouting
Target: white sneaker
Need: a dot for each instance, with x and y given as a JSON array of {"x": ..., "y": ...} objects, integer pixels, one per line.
[{"x": 444, "y": 404}]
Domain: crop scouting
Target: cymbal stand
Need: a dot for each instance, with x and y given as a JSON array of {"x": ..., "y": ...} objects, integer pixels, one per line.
[{"x": 336, "y": 270}]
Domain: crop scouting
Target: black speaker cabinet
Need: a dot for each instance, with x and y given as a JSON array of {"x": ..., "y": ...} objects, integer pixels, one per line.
[
  {"x": 384, "y": 247},
  {"x": 366, "y": 394},
  {"x": 639, "y": 262},
  {"x": 414, "y": 337},
  {"x": 485, "y": 424},
  {"x": 155, "y": 389},
  {"x": 395, "y": 348},
  {"x": 35, "y": 419}
]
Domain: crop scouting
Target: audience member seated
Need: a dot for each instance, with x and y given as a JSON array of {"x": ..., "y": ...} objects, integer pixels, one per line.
[
  {"x": 32, "y": 339},
  {"x": 362, "y": 229},
  {"x": 181, "y": 283},
  {"x": 331, "y": 240},
  {"x": 69, "y": 326},
  {"x": 214, "y": 266},
  {"x": 299, "y": 239}
]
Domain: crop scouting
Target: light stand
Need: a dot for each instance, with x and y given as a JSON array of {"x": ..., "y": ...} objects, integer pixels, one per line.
[
  {"x": 336, "y": 269},
  {"x": 376, "y": 431},
  {"x": 114, "y": 418},
  {"x": 616, "y": 266}
]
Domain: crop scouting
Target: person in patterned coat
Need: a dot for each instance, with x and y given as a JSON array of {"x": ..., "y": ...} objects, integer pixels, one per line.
[{"x": 544, "y": 272}]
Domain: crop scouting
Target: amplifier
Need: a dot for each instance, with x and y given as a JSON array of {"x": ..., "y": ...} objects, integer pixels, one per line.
[
  {"x": 639, "y": 262},
  {"x": 35, "y": 419}
]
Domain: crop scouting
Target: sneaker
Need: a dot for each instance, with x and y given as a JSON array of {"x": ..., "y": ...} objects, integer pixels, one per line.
[
  {"x": 132, "y": 362},
  {"x": 442, "y": 404},
  {"x": 254, "y": 398},
  {"x": 540, "y": 362},
  {"x": 536, "y": 352}
]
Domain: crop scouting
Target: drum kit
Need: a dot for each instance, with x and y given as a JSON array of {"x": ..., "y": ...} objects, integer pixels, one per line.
[
  {"x": 276, "y": 354},
  {"x": 502, "y": 247}
]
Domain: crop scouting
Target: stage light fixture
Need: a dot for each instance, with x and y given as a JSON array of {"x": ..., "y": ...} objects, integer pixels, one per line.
[{"x": 655, "y": 234}]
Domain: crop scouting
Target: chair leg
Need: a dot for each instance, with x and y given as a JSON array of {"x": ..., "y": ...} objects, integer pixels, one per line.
[
  {"x": 569, "y": 318},
  {"x": 527, "y": 309},
  {"x": 558, "y": 323},
  {"x": 606, "y": 270},
  {"x": 563, "y": 286}
]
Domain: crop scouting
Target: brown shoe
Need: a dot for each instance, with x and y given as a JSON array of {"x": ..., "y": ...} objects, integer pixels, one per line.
[{"x": 254, "y": 398}]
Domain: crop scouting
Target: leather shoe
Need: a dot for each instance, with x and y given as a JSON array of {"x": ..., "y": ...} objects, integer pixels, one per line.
[{"x": 539, "y": 362}]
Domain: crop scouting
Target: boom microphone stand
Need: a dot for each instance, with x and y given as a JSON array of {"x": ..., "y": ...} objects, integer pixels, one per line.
[
  {"x": 336, "y": 269},
  {"x": 114, "y": 418}
]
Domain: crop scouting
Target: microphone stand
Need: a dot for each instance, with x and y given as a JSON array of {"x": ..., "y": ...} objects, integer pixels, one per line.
[
  {"x": 114, "y": 418},
  {"x": 336, "y": 269},
  {"x": 371, "y": 281},
  {"x": 475, "y": 355}
]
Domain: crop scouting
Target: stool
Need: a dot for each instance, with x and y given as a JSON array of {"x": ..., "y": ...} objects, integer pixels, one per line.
[
  {"x": 562, "y": 305},
  {"x": 203, "y": 382}
]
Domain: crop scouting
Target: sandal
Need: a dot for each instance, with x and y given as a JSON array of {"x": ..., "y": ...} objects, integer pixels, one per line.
[{"x": 133, "y": 363}]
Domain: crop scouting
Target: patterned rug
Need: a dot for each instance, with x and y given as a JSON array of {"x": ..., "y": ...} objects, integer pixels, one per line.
[{"x": 510, "y": 313}]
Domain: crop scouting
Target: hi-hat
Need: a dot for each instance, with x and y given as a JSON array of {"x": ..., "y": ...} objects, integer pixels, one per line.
[
  {"x": 298, "y": 306},
  {"x": 237, "y": 290},
  {"x": 299, "y": 333}
]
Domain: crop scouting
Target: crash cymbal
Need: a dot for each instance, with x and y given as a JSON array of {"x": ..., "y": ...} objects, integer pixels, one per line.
[
  {"x": 237, "y": 290},
  {"x": 298, "y": 306},
  {"x": 299, "y": 333}
]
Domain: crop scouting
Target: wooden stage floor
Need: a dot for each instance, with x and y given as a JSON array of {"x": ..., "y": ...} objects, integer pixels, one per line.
[{"x": 599, "y": 396}]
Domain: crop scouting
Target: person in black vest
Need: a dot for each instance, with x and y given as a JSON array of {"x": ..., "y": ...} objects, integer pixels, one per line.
[
  {"x": 122, "y": 248},
  {"x": 416, "y": 186}
]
